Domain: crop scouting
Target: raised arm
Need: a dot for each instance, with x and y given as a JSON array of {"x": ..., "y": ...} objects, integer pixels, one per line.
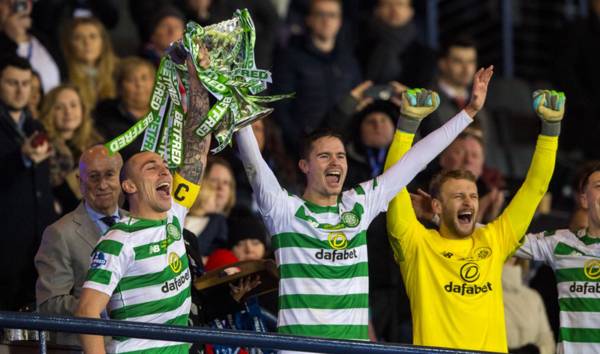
[
  {"x": 416, "y": 106},
  {"x": 189, "y": 174},
  {"x": 264, "y": 183},
  {"x": 549, "y": 106}
]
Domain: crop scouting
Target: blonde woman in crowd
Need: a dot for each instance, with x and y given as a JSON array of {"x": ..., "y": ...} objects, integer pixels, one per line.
[
  {"x": 36, "y": 96},
  {"x": 209, "y": 227},
  {"x": 220, "y": 176},
  {"x": 70, "y": 131},
  {"x": 90, "y": 59},
  {"x": 134, "y": 79}
]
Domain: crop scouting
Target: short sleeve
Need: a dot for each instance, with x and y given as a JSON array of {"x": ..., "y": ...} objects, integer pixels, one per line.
[{"x": 109, "y": 261}]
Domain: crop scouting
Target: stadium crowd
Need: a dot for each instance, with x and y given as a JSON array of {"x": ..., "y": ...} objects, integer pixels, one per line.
[{"x": 64, "y": 91}]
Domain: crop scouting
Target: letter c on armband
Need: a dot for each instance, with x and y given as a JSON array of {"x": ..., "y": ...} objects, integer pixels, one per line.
[{"x": 184, "y": 191}]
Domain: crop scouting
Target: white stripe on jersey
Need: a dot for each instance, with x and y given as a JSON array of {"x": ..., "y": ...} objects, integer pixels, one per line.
[
  {"x": 293, "y": 286},
  {"x": 579, "y": 319},
  {"x": 289, "y": 317}
]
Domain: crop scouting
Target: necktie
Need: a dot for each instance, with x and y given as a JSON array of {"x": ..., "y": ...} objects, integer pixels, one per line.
[{"x": 108, "y": 220}]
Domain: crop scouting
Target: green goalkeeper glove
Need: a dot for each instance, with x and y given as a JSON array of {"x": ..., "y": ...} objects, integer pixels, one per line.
[
  {"x": 549, "y": 105},
  {"x": 416, "y": 105}
]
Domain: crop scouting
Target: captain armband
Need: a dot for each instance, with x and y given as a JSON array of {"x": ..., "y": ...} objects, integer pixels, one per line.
[{"x": 184, "y": 191}]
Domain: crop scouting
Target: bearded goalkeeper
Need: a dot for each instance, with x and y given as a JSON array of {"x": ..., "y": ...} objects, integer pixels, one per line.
[{"x": 453, "y": 276}]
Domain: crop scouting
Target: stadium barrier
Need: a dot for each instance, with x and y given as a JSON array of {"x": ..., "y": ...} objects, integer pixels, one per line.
[{"x": 55, "y": 323}]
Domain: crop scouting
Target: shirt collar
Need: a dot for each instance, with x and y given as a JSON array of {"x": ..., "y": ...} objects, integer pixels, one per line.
[{"x": 97, "y": 216}]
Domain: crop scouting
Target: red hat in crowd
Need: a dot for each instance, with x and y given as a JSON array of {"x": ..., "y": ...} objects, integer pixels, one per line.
[{"x": 219, "y": 258}]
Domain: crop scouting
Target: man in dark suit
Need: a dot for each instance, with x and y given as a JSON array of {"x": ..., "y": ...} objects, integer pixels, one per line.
[
  {"x": 457, "y": 64},
  {"x": 64, "y": 255},
  {"x": 26, "y": 207}
]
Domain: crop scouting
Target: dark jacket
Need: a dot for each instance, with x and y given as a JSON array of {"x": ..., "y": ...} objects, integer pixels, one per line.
[
  {"x": 319, "y": 80},
  {"x": 394, "y": 54},
  {"x": 111, "y": 120},
  {"x": 495, "y": 154},
  {"x": 25, "y": 211},
  {"x": 576, "y": 71}
]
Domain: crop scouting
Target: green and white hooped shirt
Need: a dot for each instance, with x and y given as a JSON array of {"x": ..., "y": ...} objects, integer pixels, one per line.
[
  {"x": 322, "y": 257},
  {"x": 143, "y": 267},
  {"x": 575, "y": 259}
]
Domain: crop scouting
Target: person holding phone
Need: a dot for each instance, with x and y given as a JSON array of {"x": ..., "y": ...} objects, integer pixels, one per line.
[{"x": 27, "y": 199}]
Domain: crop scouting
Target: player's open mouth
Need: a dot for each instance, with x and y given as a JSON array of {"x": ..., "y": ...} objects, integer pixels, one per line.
[
  {"x": 465, "y": 217},
  {"x": 164, "y": 189},
  {"x": 333, "y": 177}
]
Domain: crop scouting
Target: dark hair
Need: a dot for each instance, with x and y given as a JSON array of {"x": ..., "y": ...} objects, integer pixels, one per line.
[
  {"x": 242, "y": 224},
  {"x": 435, "y": 186},
  {"x": 583, "y": 174},
  {"x": 15, "y": 61},
  {"x": 472, "y": 133},
  {"x": 460, "y": 41},
  {"x": 313, "y": 2},
  {"x": 307, "y": 142}
]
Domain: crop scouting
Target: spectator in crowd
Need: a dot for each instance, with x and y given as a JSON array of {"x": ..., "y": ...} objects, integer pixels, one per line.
[
  {"x": 199, "y": 11},
  {"x": 36, "y": 97},
  {"x": 16, "y": 37},
  {"x": 247, "y": 243},
  {"x": 220, "y": 177},
  {"x": 63, "y": 259},
  {"x": 372, "y": 135},
  {"x": 70, "y": 131},
  {"x": 456, "y": 64},
  {"x": 27, "y": 207},
  {"x": 319, "y": 68},
  {"x": 207, "y": 225},
  {"x": 134, "y": 79},
  {"x": 247, "y": 236},
  {"x": 91, "y": 62},
  {"x": 527, "y": 327},
  {"x": 389, "y": 49},
  {"x": 576, "y": 71},
  {"x": 52, "y": 17},
  {"x": 273, "y": 150},
  {"x": 165, "y": 27}
]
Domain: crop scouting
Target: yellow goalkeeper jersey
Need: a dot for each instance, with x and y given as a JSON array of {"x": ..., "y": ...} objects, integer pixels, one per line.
[{"x": 455, "y": 286}]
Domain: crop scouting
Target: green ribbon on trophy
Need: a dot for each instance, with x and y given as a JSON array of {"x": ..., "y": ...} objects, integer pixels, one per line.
[{"x": 232, "y": 77}]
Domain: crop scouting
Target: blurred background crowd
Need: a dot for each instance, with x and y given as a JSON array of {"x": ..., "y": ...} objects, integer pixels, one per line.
[{"x": 347, "y": 62}]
